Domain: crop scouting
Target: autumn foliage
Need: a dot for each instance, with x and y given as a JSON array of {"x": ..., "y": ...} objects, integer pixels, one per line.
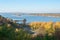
[{"x": 49, "y": 27}]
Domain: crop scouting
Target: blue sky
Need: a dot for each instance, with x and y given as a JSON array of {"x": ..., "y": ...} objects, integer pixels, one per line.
[{"x": 30, "y": 6}]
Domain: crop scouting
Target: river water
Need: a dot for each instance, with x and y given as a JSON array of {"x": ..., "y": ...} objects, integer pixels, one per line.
[{"x": 30, "y": 18}]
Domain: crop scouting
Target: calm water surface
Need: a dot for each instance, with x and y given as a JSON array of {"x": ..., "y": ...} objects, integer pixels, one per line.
[{"x": 30, "y": 18}]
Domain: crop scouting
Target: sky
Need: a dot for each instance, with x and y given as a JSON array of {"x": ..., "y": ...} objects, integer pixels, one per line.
[{"x": 30, "y": 6}]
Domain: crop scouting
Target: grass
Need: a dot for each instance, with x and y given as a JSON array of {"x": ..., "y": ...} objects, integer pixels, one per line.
[
  {"x": 13, "y": 33},
  {"x": 8, "y": 33}
]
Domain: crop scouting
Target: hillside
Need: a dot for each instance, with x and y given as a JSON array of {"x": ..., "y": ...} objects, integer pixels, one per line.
[{"x": 9, "y": 30}]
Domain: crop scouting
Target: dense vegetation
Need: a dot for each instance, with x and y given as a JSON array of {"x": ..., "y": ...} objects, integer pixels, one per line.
[
  {"x": 43, "y": 30},
  {"x": 46, "y": 29},
  {"x": 11, "y": 33}
]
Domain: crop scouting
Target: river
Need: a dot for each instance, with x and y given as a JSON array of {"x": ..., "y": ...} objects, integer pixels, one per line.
[{"x": 30, "y": 18}]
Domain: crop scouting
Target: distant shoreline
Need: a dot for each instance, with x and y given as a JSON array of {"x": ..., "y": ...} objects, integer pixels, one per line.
[
  {"x": 57, "y": 15},
  {"x": 40, "y": 14},
  {"x": 46, "y": 14}
]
